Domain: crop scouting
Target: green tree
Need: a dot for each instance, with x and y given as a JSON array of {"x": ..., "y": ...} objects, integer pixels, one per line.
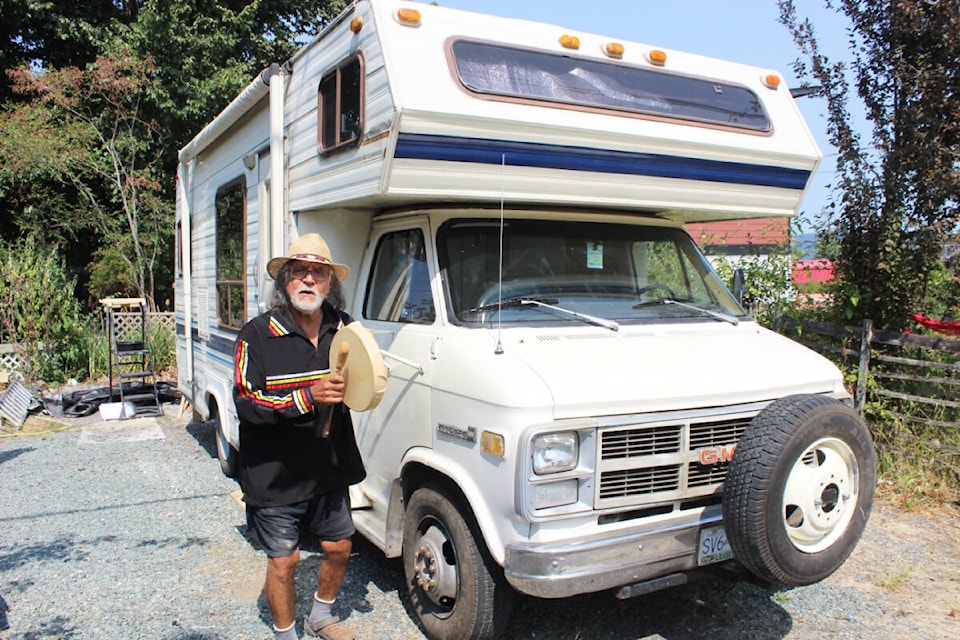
[
  {"x": 39, "y": 311},
  {"x": 207, "y": 51},
  {"x": 54, "y": 33},
  {"x": 897, "y": 195},
  {"x": 202, "y": 52},
  {"x": 84, "y": 129}
]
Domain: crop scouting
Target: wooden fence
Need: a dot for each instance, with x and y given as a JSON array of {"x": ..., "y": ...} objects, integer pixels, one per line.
[{"x": 903, "y": 383}]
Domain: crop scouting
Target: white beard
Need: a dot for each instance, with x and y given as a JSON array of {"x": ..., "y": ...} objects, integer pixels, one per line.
[{"x": 306, "y": 306}]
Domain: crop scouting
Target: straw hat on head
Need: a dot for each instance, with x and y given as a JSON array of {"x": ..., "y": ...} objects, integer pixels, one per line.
[{"x": 309, "y": 248}]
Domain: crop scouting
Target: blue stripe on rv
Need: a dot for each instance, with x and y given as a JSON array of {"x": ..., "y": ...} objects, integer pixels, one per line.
[
  {"x": 214, "y": 343},
  {"x": 418, "y": 146}
]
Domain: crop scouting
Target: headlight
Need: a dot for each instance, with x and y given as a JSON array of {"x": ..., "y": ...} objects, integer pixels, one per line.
[{"x": 555, "y": 452}]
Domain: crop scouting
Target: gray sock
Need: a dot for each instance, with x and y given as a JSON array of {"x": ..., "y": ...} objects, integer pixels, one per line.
[
  {"x": 320, "y": 610},
  {"x": 290, "y": 633}
]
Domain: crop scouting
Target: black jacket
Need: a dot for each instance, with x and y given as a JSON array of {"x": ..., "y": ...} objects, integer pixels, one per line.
[{"x": 283, "y": 457}]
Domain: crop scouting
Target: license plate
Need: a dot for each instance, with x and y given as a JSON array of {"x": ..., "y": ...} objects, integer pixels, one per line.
[{"x": 713, "y": 546}]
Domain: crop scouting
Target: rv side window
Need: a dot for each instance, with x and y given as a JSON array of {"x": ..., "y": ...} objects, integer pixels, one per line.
[
  {"x": 563, "y": 80},
  {"x": 340, "y": 105},
  {"x": 399, "y": 287},
  {"x": 231, "y": 289}
]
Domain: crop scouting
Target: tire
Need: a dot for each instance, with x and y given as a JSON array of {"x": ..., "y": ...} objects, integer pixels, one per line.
[
  {"x": 455, "y": 587},
  {"x": 799, "y": 490},
  {"x": 227, "y": 454},
  {"x": 80, "y": 410}
]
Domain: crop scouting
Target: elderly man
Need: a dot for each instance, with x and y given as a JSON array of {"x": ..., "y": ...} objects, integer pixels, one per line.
[{"x": 298, "y": 451}]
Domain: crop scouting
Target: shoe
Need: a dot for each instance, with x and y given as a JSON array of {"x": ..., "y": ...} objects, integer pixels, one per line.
[{"x": 328, "y": 629}]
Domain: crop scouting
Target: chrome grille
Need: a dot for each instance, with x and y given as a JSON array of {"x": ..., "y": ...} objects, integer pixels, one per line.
[
  {"x": 700, "y": 475},
  {"x": 635, "y": 442},
  {"x": 642, "y": 464},
  {"x": 717, "y": 434},
  {"x": 638, "y": 481}
]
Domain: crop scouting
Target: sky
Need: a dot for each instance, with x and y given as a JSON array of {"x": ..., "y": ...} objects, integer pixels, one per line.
[{"x": 745, "y": 31}]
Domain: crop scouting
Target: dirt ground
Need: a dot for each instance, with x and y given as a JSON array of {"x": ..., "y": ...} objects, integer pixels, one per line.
[
  {"x": 909, "y": 564},
  {"x": 903, "y": 579}
]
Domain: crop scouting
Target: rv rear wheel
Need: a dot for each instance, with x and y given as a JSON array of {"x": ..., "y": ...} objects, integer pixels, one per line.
[
  {"x": 457, "y": 590},
  {"x": 799, "y": 489},
  {"x": 227, "y": 454}
]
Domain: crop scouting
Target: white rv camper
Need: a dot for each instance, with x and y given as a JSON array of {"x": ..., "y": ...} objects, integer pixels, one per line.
[{"x": 575, "y": 402}]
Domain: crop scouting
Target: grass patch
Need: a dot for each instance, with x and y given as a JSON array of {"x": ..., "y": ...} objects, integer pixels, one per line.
[
  {"x": 894, "y": 579},
  {"x": 917, "y": 466}
]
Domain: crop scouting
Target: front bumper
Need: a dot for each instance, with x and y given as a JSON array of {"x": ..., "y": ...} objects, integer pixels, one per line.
[{"x": 560, "y": 570}]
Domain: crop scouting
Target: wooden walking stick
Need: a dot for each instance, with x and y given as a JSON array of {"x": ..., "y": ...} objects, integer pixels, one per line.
[{"x": 341, "y": 362}]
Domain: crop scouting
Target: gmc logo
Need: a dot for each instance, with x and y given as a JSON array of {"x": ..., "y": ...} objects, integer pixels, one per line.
[{"x": 717, "y": 454}]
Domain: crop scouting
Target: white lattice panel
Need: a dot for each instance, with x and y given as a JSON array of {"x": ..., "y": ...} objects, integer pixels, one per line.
[{"x": 10, "y": 360}]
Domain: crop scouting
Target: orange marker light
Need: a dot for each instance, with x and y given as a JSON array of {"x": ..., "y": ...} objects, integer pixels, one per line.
[
  {"x": 771, "y": 81},
  {"x": 657, "y": 57},
  {"x": 569, "y": 42},
  {"x": 410, "y": 17},
  {"x": 356, "y": 24},
  {"x": 492, "y": 443},
  {"x": 613, "y": 49}
]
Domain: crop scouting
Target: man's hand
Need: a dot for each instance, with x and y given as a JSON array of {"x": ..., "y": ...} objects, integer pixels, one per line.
[{"x": 328, "y": 390}]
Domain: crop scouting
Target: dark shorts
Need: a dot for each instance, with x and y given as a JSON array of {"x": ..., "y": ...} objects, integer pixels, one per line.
[{"x": 277, "y": 529}]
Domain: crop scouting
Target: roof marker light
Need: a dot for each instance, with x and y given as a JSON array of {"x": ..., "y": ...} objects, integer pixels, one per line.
[
  {"x": 657, "y": 57},
  {"x": 569, "y": 42},
  {"x": 771, "y": 81},
  {"x": 409, "y": 17},
  {"x": 356, "y": 24},
  {"x": 613, "y": 49}
]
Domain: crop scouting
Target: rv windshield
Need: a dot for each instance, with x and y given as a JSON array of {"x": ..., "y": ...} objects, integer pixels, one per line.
[{"x": 578, "y": 272}]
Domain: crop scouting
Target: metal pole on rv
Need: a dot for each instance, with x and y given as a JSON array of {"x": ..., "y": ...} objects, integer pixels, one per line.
[
  {"x": 277, "y": 182},
  {"x": 186, "y": 254}
]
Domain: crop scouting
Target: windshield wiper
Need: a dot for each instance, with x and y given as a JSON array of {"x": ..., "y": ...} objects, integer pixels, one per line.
[
  {"x": 512, "y": 303},
  {"x": 548, "y": 303},
  {"x": 709, "y": 312}
]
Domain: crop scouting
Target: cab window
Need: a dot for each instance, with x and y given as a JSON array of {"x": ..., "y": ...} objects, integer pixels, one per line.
[{"x": 399, "y": 287}]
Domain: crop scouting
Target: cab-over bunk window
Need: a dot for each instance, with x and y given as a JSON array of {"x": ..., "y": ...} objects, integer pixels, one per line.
[
  {"x": 231, "y": 208},
  {"x": 501, "y": 72},
  {"x": 340, "y": 105}
]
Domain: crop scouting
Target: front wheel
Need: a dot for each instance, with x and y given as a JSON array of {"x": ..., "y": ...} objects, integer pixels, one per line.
[
  {"x": 799, "y": 489},
  {"x": 457, "y": 590}
]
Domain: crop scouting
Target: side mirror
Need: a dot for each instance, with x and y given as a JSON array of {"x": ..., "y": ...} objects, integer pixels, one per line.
[{"x": 739, "y": 285}]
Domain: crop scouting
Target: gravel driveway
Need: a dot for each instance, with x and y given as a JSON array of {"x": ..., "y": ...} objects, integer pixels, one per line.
[{"x": 128, "y": 531}]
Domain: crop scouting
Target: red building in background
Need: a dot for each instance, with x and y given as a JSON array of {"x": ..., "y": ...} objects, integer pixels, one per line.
[
  {"x": 751, "y": 237},
  {"x": 807, "y": 271},
  {"x": 757, "y": 237}
]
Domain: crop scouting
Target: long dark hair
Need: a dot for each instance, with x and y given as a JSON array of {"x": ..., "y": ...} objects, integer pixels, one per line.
[{"x": 281, "y": 300}]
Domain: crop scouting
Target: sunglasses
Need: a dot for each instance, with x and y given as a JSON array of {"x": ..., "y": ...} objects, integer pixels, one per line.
[{"x": 319, "y": 273}]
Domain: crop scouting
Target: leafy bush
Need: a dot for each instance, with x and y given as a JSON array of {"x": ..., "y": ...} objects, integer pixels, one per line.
[
  {"x": 769, "y": 290},
  {"x": 98, "y": 354},
  {"x": 162, "y": 342},
  {"x": 39, "y": 312}
]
